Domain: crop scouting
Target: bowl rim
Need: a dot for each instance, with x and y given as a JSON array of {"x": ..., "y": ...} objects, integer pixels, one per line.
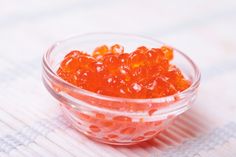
[{"x": 194, "y": 85}]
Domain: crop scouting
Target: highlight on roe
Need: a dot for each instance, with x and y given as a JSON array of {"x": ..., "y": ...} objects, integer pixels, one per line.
[{"x": 143, "y": 73}]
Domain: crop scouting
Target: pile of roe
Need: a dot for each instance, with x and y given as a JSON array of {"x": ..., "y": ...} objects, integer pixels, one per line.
[{"x": 143, "y": 73}]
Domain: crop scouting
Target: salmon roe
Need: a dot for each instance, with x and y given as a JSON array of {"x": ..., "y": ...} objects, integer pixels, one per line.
[{"x": 143, "y": 73}]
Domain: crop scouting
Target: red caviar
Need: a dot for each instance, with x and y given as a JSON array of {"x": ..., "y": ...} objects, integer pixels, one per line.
[{"x": 143, "y": 73}]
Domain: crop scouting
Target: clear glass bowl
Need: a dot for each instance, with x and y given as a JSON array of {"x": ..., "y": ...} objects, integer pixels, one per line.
[{"x": 113, "y": 120}]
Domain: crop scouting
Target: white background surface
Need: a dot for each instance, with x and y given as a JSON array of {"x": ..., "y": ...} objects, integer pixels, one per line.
[{"x": 203, "y": 29}]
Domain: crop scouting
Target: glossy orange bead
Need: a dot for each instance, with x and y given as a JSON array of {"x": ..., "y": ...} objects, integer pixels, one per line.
[
  {"x": 100, "y": 116},
  {"x": 112, "y": 136},
  {"x": 117, "y": 49},
  {"x": 94, "y": 128},
  {"x": 168, "y": 51},
  {"x": 100, "y": 51}
]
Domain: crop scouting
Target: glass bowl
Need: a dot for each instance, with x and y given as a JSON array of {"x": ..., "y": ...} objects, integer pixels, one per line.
[{"x": 115, "y": 120}]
